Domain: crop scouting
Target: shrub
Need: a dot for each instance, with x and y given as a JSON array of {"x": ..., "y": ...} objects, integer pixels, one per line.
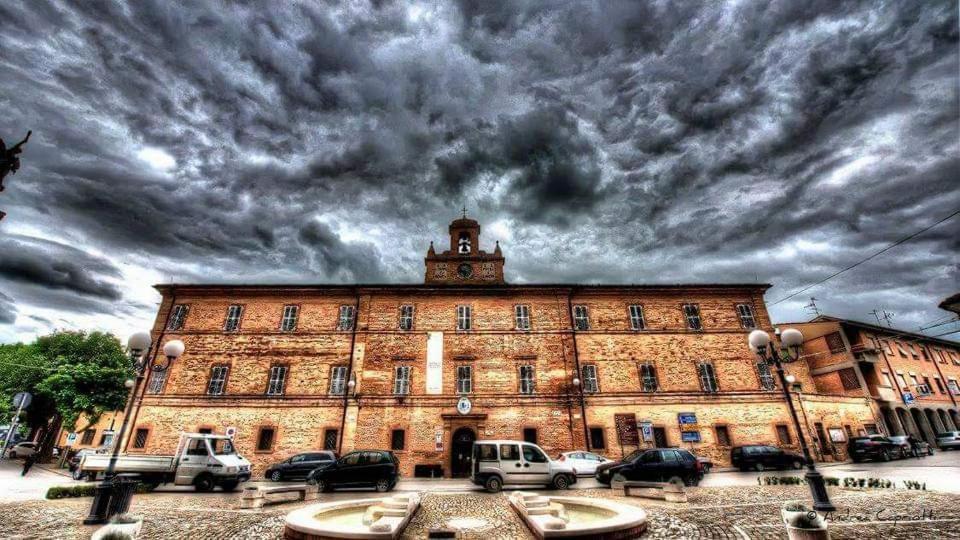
[
  {"x": 831, "y": 481},
  {"x": 83, "y": 490},
  {"x": 912, "y": 484}
]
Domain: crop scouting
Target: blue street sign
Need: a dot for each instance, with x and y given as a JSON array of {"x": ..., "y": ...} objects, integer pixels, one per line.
[
  {"x": 690, "y": 436},
  {"x": 687, "y": 418},
  {"x": 908, "y": 398}
]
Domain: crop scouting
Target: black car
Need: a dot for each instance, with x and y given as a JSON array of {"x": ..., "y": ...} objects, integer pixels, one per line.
[
  {"x": 875, "y": 447},
  {"x": 378, "y": 469},
  {"x": 300, "y": 465},
  {"x": 761, "y": 457},
  {"x": 654, "y": 465}
]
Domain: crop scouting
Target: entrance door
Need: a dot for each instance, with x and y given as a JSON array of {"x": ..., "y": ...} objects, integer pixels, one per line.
[
  {"x": 660, "y": 437},
  {"x": 461, "y": 452}
]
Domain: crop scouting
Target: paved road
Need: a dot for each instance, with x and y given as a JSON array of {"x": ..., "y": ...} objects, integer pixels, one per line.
[{"x": 941, "y": 472}]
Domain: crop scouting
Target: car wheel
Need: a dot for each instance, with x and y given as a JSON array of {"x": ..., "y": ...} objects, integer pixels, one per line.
[
  {"x": 676, "y": 480},
  {"x": 706, "y": 469},
  {"x": 230, "y": 486},
  {"x": 203, "y": 483},
  {"x": 322, "y": 485},
  {"x": 276, "y": 476},
  {"x": 77, "y": 474},
  {"x": 759, "y": 467},
  {"x": 886, "y": 455},
  {"x": 561, "y": 481},
  {"x": 12, "y": 455},
  {"x": 382, "y": 485},
  {"x": 797, "y": 464},
  {"x": 493, "y": 484}
]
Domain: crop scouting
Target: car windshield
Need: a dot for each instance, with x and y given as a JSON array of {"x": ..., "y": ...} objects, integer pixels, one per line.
[{"x": 222, "y": 446}]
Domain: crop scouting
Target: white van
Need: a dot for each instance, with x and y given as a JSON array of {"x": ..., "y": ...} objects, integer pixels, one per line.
[{"x": 499, "y": 463}]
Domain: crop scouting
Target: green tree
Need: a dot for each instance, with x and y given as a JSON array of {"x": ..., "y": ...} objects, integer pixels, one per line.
[{"x": 70, "y": 374}]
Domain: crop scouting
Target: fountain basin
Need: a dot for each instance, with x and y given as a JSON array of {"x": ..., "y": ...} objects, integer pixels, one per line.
[
  {"x": 578, "y": 517},
  {"x": 380, "y": 518}
]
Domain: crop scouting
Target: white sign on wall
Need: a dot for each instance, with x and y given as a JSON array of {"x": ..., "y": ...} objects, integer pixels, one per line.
[{"x": 434, "y": 362}]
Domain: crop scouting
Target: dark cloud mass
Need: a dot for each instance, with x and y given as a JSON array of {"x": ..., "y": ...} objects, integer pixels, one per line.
[{"x": 622, "y": 141}]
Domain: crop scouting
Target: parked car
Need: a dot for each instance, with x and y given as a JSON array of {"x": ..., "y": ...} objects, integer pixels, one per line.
[
  {"x": 706, "y": 462},
  {"x": 583, "y": 463},
  {"x": 760, "y": 457},
  {"x": 875, "y": 447},
  {"x": 923, "y": 447},
  {"x": 22, "y": 450},
  {"x": 299, "y": 466},
  {"x": 674, "y": 465},
  {"x": 378, "y": 469},
  {"x": 499, "y": 463},
  {"x": 948, "y": 440}
]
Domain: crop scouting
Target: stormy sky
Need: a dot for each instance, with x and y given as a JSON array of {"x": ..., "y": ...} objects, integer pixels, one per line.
[{"x": 613, "y": 142}]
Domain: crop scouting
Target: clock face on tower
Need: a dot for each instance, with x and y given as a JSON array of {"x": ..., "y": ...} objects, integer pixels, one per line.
[{"x": 465, "y": 270}]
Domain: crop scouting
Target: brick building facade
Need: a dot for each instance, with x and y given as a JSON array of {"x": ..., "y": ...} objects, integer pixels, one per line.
[
  {"x": 913, "y": 380},
  {"x": 426, "y": 368}
]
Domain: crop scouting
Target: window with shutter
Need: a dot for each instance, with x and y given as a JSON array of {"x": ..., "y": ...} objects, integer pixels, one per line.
[
  {"x": 766, "y": 378},
  {"x": 464, "y": 379},
  {"x": 338, "y": 380},
  {"x": 346, "y": 318},
  {"x": 648, "y": 378},
  {"x": 590, "y": 383},
  {"x": 581, "y": 318},
  {"x": 522, "y": 314},
  {"x": 835, "y": 342},
  {"x": 277, "y": 380},
  {"x": 401, "y": 383},
  {"x": 745, "y": 312},
  {"x": 464, "y": 321},
  {"x": 288, "y": 323},
  {"x": 218, "y": 380},
  {"x": 848, "y": 378},
  {"x": 723, "y": 436},
  {"x": 636, "y": 317},
  {"x": 232, "y": 322},
  {"x": 177, "y": 317},
  {"x": 406, "y": 317},
  {"x": 526, "y": 379},
  {"x": 708, "y": 377},
  {"x": 691, "y": 313},
  {"x": 783, "y": 434}
]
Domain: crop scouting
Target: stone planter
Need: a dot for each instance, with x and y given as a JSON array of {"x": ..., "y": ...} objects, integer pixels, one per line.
[
  {"x": 130, "y": 530},
  {"x": 802, "y": 526}
]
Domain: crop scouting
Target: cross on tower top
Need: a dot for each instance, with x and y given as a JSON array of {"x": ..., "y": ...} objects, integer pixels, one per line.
[{"x": 464, "y": 211}]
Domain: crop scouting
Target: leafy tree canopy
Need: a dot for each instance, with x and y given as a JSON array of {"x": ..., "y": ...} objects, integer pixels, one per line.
[{"x": 70, "y": 373}]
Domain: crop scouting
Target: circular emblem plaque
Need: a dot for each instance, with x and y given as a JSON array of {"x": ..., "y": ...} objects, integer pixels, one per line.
[{"x": 464, "y": 406}]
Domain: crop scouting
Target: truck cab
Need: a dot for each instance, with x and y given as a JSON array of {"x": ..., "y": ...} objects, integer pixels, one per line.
[{"x": 499, "y": 463}]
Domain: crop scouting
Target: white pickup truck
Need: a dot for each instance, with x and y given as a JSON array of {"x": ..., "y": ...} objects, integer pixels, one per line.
[{"x": 202, "y": 460}]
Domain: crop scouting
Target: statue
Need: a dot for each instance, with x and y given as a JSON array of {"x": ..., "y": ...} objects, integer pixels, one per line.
[{"x": 9, "y": 162}]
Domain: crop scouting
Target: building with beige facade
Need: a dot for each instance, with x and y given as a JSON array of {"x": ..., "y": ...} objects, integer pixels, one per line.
[{"x": 426, "y": 368}]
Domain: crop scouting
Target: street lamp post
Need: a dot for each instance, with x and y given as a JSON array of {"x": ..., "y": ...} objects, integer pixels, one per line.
[
  {"x": 791, "y": 340},
  {"x": 107, "y": 500}
]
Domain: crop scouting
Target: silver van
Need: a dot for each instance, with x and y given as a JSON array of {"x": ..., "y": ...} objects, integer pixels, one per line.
[{"x": 499, "y": 463}]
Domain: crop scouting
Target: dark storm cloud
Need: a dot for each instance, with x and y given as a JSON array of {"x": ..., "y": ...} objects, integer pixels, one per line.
[
  {"x": 620, "y": 141},
  {"x": 55, "y": 266}
]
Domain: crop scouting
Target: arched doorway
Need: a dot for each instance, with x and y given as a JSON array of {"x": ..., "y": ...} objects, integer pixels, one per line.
[{"x": 461, "y": 452}]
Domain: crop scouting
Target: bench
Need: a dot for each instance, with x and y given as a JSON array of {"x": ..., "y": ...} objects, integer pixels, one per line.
[
  {"x": 655, "y": 490},
  {"x": 256, "y": 497}
]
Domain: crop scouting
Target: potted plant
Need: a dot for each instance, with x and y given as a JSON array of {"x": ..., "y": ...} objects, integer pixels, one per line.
[{"x": 803, "y": 523}]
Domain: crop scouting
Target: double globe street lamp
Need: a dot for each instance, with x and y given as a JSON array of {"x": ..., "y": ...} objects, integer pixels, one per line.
[
  {"x": 113, "y": 496},
  {"x": 791, "y": 340}
]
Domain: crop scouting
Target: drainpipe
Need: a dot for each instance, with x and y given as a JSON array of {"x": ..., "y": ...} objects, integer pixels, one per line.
[
  {"x": 346, "y": 391},
  {"x": 146, "y": 382},
  {"x": 576, "y": 361}
]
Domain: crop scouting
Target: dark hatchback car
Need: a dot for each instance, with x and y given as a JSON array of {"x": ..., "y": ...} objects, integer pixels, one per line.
[
  {"x": 875, "y": 447},
  {"x": 378, "y": 469},
  {"x": 761, "y": 457},
  {"x": 653, "y": 465},
  {"x": 299, "y": 466}
]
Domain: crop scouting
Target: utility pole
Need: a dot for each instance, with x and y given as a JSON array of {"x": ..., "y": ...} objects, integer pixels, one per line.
[
  {"x": 883, "y": 315},
  {"x": 22, "y": 399},
  {"x": 812, "y": 307}
]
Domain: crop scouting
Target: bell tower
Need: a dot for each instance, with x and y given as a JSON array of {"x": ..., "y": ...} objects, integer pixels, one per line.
[{"x": 464, "y": 263}]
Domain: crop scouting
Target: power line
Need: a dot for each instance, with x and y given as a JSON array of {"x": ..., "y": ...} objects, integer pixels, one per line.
[{"x": 856, "y": 264}]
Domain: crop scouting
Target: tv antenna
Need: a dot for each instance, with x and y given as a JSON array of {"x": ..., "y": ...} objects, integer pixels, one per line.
[{"x": 812, "y": 307}]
